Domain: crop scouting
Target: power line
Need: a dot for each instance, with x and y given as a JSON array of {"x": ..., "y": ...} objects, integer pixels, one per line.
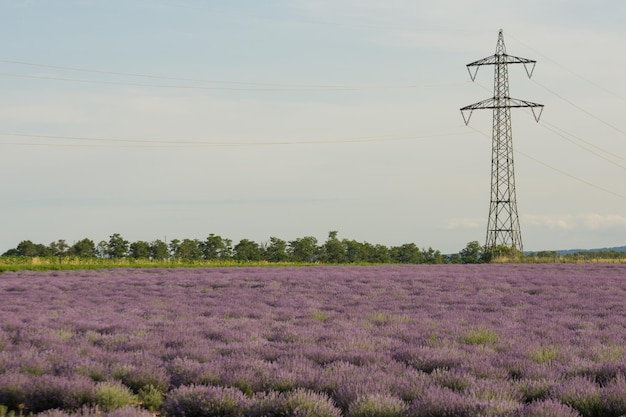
[
  {"x": 563, "y": 133},
  {"x": 596, "y": 85},
  {"x": 152, "y": 76},
  {"x": 180, "y": 87},
  {"x": 250, "y": 86},
  {"x": 606, "y": 190},
  {"x": 571, "y": 103},
  {"x": 588, "y": 113},
  {"x": 560, "y": 171},
  {"x": 148, "y": 143}
]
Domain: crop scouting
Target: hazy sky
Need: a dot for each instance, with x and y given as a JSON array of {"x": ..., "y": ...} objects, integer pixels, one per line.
[{"x": 291, "y": 118}]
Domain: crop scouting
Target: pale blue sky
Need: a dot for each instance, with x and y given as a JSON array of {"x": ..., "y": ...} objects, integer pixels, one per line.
[{"x": 252, "y": 119}]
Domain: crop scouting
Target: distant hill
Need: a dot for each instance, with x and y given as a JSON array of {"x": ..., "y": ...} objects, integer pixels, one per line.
[{"x": 571, "y": 251}]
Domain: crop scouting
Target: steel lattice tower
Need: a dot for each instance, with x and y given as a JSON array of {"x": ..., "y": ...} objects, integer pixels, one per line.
[{"x": 503, "y": 228}]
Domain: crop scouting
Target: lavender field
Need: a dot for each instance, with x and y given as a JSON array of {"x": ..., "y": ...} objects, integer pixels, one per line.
[{"x": 419, "y": 340}]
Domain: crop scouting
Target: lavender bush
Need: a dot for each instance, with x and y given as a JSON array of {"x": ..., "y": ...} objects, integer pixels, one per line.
[
  {"x": 548, "y": 408},
  {"x": 464, "y": 340},
  {"x": 48, "y": 391},
  {"x": 443, "y": 402},
  {"x": 206, "y": 401},
  {"x": 97, "y": 412},
  {"x": 377, "y": 405},
  {"x": 111, "y": 396},
  {"x": 298, "y": 403}
]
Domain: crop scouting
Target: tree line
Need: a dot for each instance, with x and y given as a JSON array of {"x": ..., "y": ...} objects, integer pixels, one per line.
[{"x": 301, "y": 250}]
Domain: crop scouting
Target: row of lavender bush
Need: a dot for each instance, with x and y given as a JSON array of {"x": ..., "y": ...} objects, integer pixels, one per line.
[{"x": 426, "y": 340}]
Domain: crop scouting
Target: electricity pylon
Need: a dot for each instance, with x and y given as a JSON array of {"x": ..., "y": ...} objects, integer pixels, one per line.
[{"x": 503, "y": 229}]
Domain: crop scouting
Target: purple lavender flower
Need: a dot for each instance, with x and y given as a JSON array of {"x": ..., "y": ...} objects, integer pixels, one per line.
[
  {"x": 469, "y": 339},
  {"x": 443, "y": 402},
  {"x": 49, "y": 392},
  {"x": 298, "y": 403},
  {"x": 377, "y": 405},
  {"x": 581, "y": 394},
  {"x": 548, "y": 408},
  {"x": 206, "y": 401},
  {"x": 14, "y": 391}
]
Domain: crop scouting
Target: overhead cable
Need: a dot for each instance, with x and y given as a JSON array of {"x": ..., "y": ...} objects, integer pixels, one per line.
[
  {"x": 560, "y": 171},
  {"x": 147, "y": 143},
  {"x": 244, "y": 85}
]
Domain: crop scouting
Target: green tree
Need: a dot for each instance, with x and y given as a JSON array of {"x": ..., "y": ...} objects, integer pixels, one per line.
[
  {"x": 102, "y": 250},
  {"x": 24, "y": 248},
  {"x": 379, "y": 254},
  {"x": 117, "y": 246},
  {"x": 213, "y": 247},
  {"x": 227, "y": 252},
  {"x": 472, "y": 253},
  {"x": 29, "y": 249},
  {"x": 190, "y": 249},
  {"x": 59, "y": 248},
  {"x": 247, "y": 250},
  {"x": 158, "y": 250},
  {"x": 84, "y": 248},
  {"x": 11, "y": 252},
  {"x": 354, "y": 251},
  {"x": 333, "y": 250},
  {"x": 544, "y": 254},
  {"x": 407, "y": 253},
  {"x": 303, "y": 249},
  {"x": 500, "y": 251},
  {"x": 276, "y": 250},
  {"x": 174, "y": 248},
  {"x": 454, "y": 258},
  {"x": 140, "y": 250},
  {"x": 431, "y": 256}
]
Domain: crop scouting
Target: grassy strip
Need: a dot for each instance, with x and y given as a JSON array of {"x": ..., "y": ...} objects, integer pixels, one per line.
[
  {"x": 74, "y": 263},
  {"x": 53, "y": 263}
]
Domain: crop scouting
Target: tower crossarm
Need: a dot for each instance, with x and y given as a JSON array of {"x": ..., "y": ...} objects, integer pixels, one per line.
[
  {"x": 501, "y": 58},
  {"x": 529, "y": 64},
  {"x": 501, "y": 103}
]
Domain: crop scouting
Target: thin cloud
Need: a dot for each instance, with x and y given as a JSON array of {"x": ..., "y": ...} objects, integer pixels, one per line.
[
  {"x": 466, "y": 223},
  {"x": 599, "y": 221},
  {"x": 587, "y": 221}
]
